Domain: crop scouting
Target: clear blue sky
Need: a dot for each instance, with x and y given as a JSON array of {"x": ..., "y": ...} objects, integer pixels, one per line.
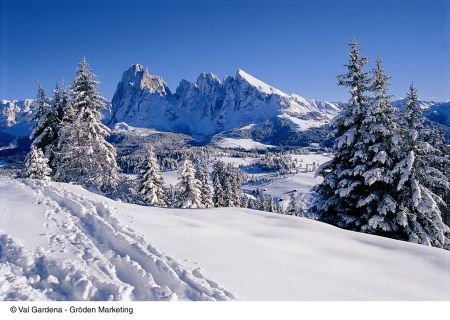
[{"x": 297, "y": 46}]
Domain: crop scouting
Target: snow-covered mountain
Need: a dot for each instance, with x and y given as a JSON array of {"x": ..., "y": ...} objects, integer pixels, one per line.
[
  {"x": 210, "y": 105},
  {"x": 15, "y": 112},
  {"x": 439, "y": 112},
  {"x": 15, "y": 121},
  {"x": 240, "y": 107}
]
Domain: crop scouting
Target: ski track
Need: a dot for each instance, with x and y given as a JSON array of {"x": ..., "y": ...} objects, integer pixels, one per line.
[{"x": 114, "y": 262}]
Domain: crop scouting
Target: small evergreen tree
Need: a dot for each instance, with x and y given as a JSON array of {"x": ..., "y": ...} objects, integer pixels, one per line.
[
  {"x": 172, "y": 196},
  {"x": 292, "y": 205},
  {"x": 151, "y": 186},
  {"x": 37, "y": 165},
  {"x": 205, "y": 189},
  {"x": 218, "y": 197},
  {"x": 189, "y": 195},
  {"x": 338, "y": 191},
  {"x": 244, "y": 201}
]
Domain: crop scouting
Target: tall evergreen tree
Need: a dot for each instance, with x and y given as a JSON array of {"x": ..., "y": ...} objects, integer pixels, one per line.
[
  {"x": 59, "y": 106},
  {"x": 37, "y": 165},
  {"x": 342, "y": 177},
  {"x": 363, "y": 186},
  {"x": 438, "y": 159},
  {"x": 417, "y": 204},
  {"x": 189, "y": 195},
  {"x": 44, "y": 132},
  {"x": 376, "y": 159},
  {"x": 151, "y": 183},
  {"x": 84, "y": 155}
]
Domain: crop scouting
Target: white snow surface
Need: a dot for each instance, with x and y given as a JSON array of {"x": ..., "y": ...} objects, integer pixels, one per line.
[
  {"x": 247, "y": 144},
  {"x": 58, "y": 242},
  {"x": 62, "y": 242}
]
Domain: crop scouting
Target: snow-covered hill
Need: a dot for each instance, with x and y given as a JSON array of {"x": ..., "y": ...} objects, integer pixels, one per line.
[
  {"x": 60, "y": 241},
  {"x": 211, "y": 105}
]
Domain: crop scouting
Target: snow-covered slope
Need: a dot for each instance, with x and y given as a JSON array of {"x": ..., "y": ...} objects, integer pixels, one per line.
[
  {"x": 59, "y": 241},
  {"x": 211, "y": 105},
  {"x": 61, "y": 245},
  {"x": 439, "y": 112},
  {"x": 246, "y": 144}
]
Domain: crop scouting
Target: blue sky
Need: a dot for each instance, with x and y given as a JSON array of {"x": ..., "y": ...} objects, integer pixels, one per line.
[{"x": 297, "y": 46}]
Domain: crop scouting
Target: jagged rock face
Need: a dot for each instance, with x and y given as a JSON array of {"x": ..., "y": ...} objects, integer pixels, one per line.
[
  {"x": 209, "y": 105},
  {"x": 141, "y": 97}
]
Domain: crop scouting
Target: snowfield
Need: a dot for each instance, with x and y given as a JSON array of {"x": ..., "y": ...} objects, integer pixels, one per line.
[
  {"x": 246, "y": 144},
  {"x": 62, "y": 242}
]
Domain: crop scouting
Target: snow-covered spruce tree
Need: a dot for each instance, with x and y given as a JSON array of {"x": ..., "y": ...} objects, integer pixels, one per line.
[
  {"x": 339, "y": 191},
  {"x": 269, "y": 205},
  {"x": 189, "y": 194},
  {"x": 231, "y": 184},
  {"x": 374, "y": 161},
  {"x": 45, "y": 131},
  {"x": 205, "y": 189},
  {"x": 418, "y": 205},
  {"x": 244, "y": 201},
  {"x": 64, "y": 114},
  {"x": 58, "y": 109},
  {"x": 84, "y": 155},
  {"x": 227, "y": 185},
  {"x": 37, "y": 165},
  {"x": 292, "y": 205},
  {"x": 151, "y": 183},
  {"x": 218, "y": 196},
  {"x": 217, "y": 178},
  {"x": 357, "y": 191},
  {"x": 60, "y": 105},
  {"x": 438, "y": 160},
  {"x": 171, "y": 193}
]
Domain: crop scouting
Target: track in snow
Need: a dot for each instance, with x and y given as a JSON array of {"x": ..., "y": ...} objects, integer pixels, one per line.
[{"x": 89, "y": 255}]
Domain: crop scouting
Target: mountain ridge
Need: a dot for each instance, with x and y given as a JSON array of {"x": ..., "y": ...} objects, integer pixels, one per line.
[{"x": 210, "y": 105}]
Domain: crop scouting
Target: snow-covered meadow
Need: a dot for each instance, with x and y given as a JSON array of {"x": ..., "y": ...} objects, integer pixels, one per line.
[{"x": 60, "y": 241}]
